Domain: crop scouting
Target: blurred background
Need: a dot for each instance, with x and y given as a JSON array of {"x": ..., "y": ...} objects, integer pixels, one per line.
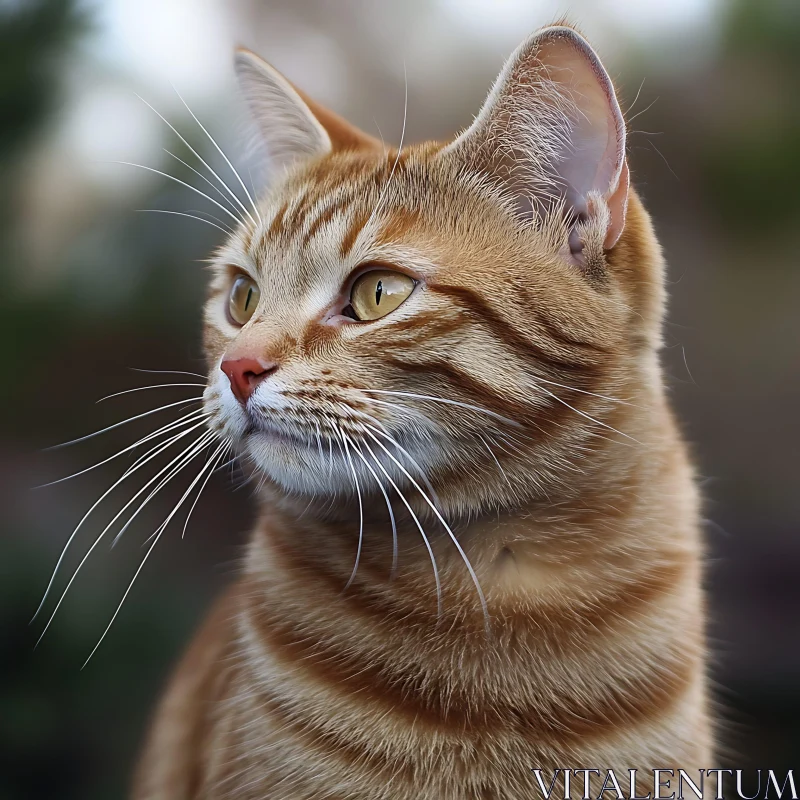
[{"x": 91, "y": 288}]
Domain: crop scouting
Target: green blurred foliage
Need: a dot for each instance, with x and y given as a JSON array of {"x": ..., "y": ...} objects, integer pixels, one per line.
[
  {"x": 35, "y": 36},
  {"x": 752, "y": 156}
]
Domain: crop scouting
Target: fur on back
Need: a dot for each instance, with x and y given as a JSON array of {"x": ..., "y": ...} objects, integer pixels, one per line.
[{"x": 509, "y": 415}]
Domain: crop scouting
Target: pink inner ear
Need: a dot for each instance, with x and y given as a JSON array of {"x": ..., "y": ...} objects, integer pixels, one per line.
[
  {"x": 593, "y": 156},
  {"x": 594, "y": 159}
]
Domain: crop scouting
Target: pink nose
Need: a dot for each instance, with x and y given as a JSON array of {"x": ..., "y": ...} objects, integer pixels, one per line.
[{"x": 245, "y": 374}]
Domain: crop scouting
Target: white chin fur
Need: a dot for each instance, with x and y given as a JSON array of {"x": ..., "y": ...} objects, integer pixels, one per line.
[
  {"x": 298, "y": 468},
  {"x": 303, "y": 469}
]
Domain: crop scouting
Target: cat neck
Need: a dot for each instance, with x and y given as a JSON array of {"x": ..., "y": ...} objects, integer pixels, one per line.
[{"x": 537, "y": 549}]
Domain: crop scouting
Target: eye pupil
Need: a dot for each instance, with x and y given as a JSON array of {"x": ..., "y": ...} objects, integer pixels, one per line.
[
  {"x": 242, "y": 299},
  {"x": 376, "y": 293}
]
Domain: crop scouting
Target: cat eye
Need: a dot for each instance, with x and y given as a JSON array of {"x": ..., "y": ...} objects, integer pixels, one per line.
[
  {"x": 379, "y": 291},
  {"x": 243, "y": 299}
]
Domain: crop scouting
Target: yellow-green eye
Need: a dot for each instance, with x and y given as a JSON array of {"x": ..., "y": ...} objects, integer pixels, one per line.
[
  {"x": 243, "y": 299},
  {"x": 378, "y": 292}
]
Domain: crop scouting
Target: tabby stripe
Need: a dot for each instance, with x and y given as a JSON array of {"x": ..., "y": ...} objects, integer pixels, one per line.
[
  {"x": 325, "y": 216},
  {"x": 397, "y": 226},
  {"x": 505, "y": 332},
  {"x": 277, "y": 221},
  {"x": 555, "y": 332},
  {"x": 560, "y": 715},
  {"x": 425, "y": 325},
  {"x": 544, "y": 417},
  {"x": 310, "y": 731},
  {"x": 349, "y": 239},
  {"x": 553, "y": 624},
  {"x": 555, "y": 329},
  {"x": 434, "y": 699},
  {"x": 302, "y": 207}
]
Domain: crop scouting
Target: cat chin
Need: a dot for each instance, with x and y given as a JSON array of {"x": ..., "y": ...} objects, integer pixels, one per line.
[
  {"x": 315, "y": 469},
  {"x": 299, "y": 467}
]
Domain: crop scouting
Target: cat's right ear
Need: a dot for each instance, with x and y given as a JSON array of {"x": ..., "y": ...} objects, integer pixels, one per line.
[
  {"x": 293, "y": 127},
  {"x": 551, "y": 133}
]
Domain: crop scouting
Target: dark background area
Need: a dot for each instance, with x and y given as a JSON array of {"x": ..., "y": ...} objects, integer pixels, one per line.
[{"x": 89, "y": 289}]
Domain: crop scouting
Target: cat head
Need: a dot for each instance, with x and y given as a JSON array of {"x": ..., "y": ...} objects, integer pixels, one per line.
[{"x": 464, "y": 315}]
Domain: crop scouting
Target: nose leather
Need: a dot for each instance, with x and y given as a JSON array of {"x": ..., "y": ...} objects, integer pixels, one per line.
[{"x": 245, "y": 374}]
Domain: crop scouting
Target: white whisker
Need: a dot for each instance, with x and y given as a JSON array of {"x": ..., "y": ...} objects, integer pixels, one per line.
[
  {"x": 226, "y": 231},
  {"x": 156, "y": 451},
  {"x": 182, "y": 183},
  {"x": 491, "y": 453},
  {"x": 154, "y": 386},
  {"x": 200, "y": 414},
  {"x": 446, "y": 402},
  {"x": 399, "y": 151},
  {"x": 146, "y": 556},
  {"x": 582, "y": 391},
  {"x": 210, "y": 216},
  {"x": 372, "y": 418},
  {"x": 319, "y": 443},
  {"x": 175, "y": 466},
  {"x": 345, "y": 440},
  {"x": 182, "y": 421},
  {"x": 587, "y": 416},
  {"x": 223, "y": 451},
  {"x": 200, "y": 158},
  {"x": 444, "y": 525},
  {"x": 380, "y": 133},
  {"x": 117, "y": 425},
  {"x": 169, "y": 372},
  {"x": 499, "y": 440},
  {"x": 419, "y": 527},
  {"x": 408, "y": 455},
  {"x": 150, "y": 454},
  {"x": 358, "y": 452},
  {"x": 227, "y": 161},
  {"x": 404, "y": 409},
  {"x": 228, "y": 463},
  {"x": 204, "y": 179}
]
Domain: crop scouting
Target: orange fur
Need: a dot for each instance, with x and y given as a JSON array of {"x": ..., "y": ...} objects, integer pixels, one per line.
[{"x": 570, "y": 492}]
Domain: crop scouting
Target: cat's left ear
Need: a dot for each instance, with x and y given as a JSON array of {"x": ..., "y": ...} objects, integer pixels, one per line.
[
  {"x": 293, "y": 127},
  {"x": 551, "y": 129}
]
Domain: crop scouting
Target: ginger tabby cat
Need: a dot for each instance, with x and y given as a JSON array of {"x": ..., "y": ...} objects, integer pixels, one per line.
[{"x": 478, "y": 542}]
